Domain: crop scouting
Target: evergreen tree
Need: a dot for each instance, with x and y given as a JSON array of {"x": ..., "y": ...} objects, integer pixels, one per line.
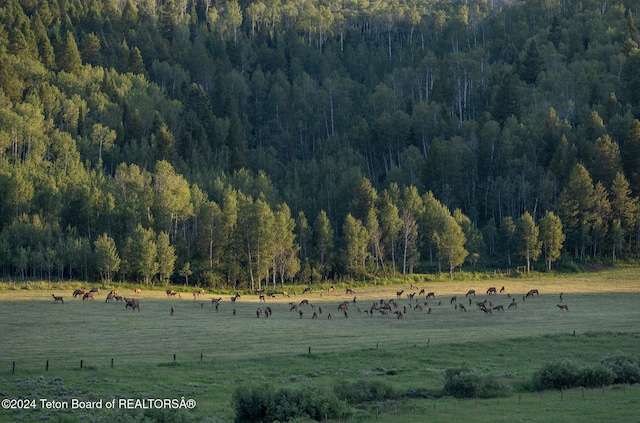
[
  {"x": 631, "y": 157},
  {"x": 507, "y": 100},
  {"x": 577, "y": 209},
  {"x": 68, "y": 56}
]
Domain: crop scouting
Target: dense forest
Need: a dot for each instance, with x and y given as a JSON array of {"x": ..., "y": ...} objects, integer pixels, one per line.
[{"x": 242, "y": 143}]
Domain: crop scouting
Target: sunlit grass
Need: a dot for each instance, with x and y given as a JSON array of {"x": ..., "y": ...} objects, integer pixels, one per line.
[{"x": 216, "y": 350}]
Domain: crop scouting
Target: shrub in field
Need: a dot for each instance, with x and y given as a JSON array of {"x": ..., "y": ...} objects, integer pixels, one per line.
[
  {"x": 626, "y": 367},
  {"x": 466, "y": 384},
  {"x": 565, "y": 375},
  {"x": 556, "y": 376},
  {"x": 595, "y": 376},
  {"x": 263, "y": 404},
  {"x": 358, "y": 392}
]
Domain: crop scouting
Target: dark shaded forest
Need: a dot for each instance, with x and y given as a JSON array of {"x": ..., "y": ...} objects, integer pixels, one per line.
[{"x": 237, "y": 144}]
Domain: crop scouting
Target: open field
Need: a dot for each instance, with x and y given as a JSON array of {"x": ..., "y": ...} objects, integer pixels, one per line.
[{"x": 217, "y": 351}]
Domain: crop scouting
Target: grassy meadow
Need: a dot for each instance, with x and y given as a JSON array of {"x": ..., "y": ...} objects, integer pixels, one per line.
[{"x": 218, "y": 351}]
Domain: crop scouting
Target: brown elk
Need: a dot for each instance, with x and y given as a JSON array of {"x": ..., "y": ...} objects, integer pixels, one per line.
[
  {"x": 414, "y": 286},
  {"x": 513, "y": 304},
  {"x": 294, "y": 306},
  {"x": 350, "y": 291},
  {"x": 95, "y": 290},
  {"x": 532, "y": 292},
  {"x": 502, "y": 290},
  {"x": 331, "y": 289},
  {"x": 110, "y": 298},
  {"x": 462, "y": 307},
  {"x": 215, "y": 301},
  {"x": 114, "y": 292},
  {"x": 422, "y": 291},
  {"x": 57, "y": 298},
  {"x": 119, "y": 298},
  {"x": 235, "y": 297},
  {"x": 307, "y": 289},
  {"x": 491, "y": 290},
  {"x": 285, "y": 294},
  {"x": 399, "y": 314},
  {"x": 453, "y": 300},
  {"x": 258, "y": 312},
  {"x": 78, "y": 292},
  {"x": 88, "y": 296},
  {"x": 499, "y": 307},
  {"x": 171, "y": 293},
  {"x": 563, "y": 307},
  {"x": 471, "y": 292},
  {"x": 137, "y": 291},
  {"x": 134, "y": 304},
  {"x": 431, "y": 295}
]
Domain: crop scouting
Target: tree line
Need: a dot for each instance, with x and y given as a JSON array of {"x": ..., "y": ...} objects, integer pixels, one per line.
[{"x": 245, "y": 143}]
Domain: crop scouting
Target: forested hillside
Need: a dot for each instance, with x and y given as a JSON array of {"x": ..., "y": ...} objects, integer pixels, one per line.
[{"x": 233, "y": 144}]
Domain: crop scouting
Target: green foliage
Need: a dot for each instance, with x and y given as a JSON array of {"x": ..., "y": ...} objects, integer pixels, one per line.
[
  {"x": 363, "y": 391},
  {"x": 565, "y": 375},
  {"x": 625, "y": 367},
  {"x": 469, "y": 384},
  {"x": 264, "y": 404}
]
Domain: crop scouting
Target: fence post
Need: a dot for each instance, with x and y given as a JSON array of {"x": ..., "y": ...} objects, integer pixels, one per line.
[{"x": 81, "y": 364}]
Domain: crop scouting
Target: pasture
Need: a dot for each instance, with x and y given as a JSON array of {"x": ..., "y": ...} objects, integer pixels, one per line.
[{"x": 130, "y": 354}]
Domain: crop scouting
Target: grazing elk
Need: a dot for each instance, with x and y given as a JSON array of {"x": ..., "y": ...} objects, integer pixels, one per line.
[
  {"x": 57, "y": 298},
  {"x": 350, "y": 291},
  {"x": 563, "y": 307},
  {"x": 95, "y": 290},
  {"x": 307, "y": 289},
  {"x": 88, "y": 296},
  {"x": 137, "y": 291},
  {"x": 285, "y": 294},
  {"x": 502, "y": 290},
  {"x": 431, "y": 295},
  {"x": 513, "y": 304},
  {"x": 215, "y": 301},
  {"x": 331, "y": 289},
  {"x": 110, "y": 298},
  {"x": 399, "y": 314},
  {"x": 422, "y": 291},
  {"x": 499, "y": 307},
  {"x": 78, "y": 292},
  {"x": 235, "y": 297},
  {"x": 294, "y": 306},
  {"x": 453, "y": 300},
  {"x": 462, "y": 307},
  {"x": 532, "y": 292},
  {"x": 134, "y": 304},
  {"x": 491, "y": 290},
  {"x": 414, "y": 286},
  {"x": 471, "y": 292},
  {"x": 171, "y": 293}
]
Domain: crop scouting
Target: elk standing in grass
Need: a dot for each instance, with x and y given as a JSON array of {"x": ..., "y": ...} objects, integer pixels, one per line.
[
  {"x": 563, "y": 307},
  {"x": 57, "y": 298}
]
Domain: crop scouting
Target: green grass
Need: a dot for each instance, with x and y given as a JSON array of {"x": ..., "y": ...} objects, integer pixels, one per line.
[{"x": 217, "y": 351}]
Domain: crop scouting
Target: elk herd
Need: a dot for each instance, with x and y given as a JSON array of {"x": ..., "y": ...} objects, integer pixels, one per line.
[{"x": 414, "y": 300}]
